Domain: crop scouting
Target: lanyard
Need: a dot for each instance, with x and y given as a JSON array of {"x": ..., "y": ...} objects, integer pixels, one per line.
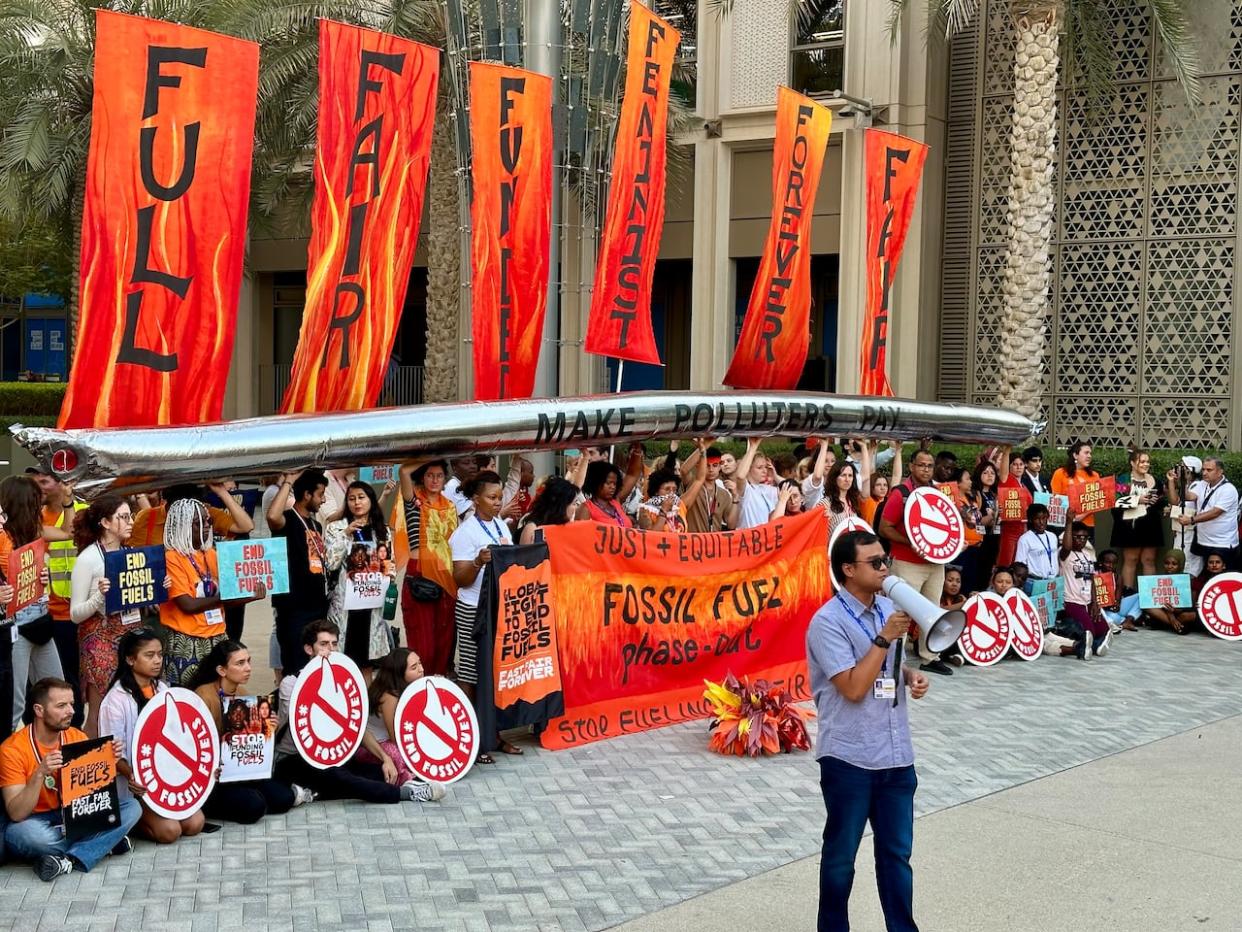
[
  {"x": 49, "y": 781},
  {"x": 315, "y": 539},
  {"x": 865, "y": 630},
  {"x": 495, "y": 538},
  {"x": 612, "y": 511},
  {"x": 204, "y": 576},
  {"x": 1043, "y": 542}
]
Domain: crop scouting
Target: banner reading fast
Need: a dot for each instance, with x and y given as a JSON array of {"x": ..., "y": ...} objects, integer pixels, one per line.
[
  {"x": 894, "y": 165},
  {"x": 163, "y": 223},
  {"x": 620, "y": 321},
  {"x": 511, "y": 217},
  {"x": 377, "y": 103},
  {"x": 642, "y": 619},
  {"x": 771, "y": 350}
]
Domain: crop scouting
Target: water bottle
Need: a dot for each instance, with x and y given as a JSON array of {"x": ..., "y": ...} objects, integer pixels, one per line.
[{"x": 390, "y": 601}]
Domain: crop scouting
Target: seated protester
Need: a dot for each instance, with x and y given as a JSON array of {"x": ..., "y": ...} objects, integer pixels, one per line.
[
  {"x": 1037, "y": 548},
  {"x": 358, "y": 535},
  {"x": 192, "y": 620},
  {"x": 1002, "y": 580},
  {"x": 1020, "y": 574},
  {"x": 355, "y": 779},
  {"x": 553, "y": 505},
  {"x": 30, "y": 761},
  {"x": 952, "y": 597},
  {"x": 140, "y": 660},
  {"x": 223, "y": 674},
  {"x": 392, "y": 674},
  {"x": 1121, "y": 615},
  {"x": 1180, "y": 618},
  {"x": 664, "y": 510},
  {"x": 1077, "y": 558}
]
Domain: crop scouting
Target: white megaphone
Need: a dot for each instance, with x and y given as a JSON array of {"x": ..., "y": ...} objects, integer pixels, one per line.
[{"x": 941, "y": 626}]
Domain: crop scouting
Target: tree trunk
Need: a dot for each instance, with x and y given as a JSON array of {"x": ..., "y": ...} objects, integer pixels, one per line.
[
  {"x": 443, "y": 266},
  {"x": 75, "y": 281},
  {"x": 1028, "y": 262}
]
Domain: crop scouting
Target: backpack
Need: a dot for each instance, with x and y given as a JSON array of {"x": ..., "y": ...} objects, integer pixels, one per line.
[{"x": 905, "y": 491}]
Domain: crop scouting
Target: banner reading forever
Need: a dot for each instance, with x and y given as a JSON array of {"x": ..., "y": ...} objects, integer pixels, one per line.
[
  {"x": 771, "y": 350},
  {"x": 511, "y": 217},
  {"x": 163, "y": 223},
  {"x": 377, "y": 104},
  {"x": 642, "y": 619},
  {"x": 894, "y": 165},
  {"x": 620, "y": 321}
]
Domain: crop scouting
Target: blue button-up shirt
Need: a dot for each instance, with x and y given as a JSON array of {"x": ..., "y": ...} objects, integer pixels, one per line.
[{"x": 871, "y": 733}]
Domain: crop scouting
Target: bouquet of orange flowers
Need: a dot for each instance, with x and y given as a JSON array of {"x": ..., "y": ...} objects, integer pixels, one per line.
[{"x": 755, "y": 718}]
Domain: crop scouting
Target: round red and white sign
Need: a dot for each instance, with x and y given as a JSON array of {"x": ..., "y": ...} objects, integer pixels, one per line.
[
  {"x": 1027, "y": 637},
  {"x": 934, "y": 525},
  {"x": 851, "y": 523},
  {"x": 1220, "y": 606},
  {"x": 328, "y": 711},
  {"x": 986, "y": 635},
  {"x": 437, "y": 730},
  {"x": 175, "y": 753}
]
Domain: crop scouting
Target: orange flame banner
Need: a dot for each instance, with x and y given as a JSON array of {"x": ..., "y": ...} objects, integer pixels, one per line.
[
  {"x": 620, "y": 321},
  {"x": 163, "y": 223},
  {"x": 377, "y": 104},
  {"x": 894, "y": 165},
  {"x": 511, "y": 216},
  {"x": 643, "y": 618},
  {"x": 771, "y": 349}
]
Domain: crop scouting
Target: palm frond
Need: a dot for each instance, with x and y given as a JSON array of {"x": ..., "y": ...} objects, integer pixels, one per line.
[{"x": 1179, "y": 46}]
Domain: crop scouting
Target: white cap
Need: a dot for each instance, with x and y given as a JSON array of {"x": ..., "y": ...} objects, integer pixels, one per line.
[{"x": 1193, "y": 463}]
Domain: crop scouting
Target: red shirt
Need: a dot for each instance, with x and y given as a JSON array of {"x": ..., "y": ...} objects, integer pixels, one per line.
[{"x": 895, "y": 514}]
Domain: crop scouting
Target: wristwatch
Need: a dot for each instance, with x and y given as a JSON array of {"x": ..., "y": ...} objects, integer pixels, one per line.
[{"x": 881, "y": 642}]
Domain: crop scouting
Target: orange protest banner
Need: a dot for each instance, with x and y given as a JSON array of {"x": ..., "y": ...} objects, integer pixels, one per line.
[
  {"x": 25, "y": 573},
  {"x": 1106, "y": 590},
  {"x": 643, "y": 618},
  {"x": 894, "y": 165},
  {"x": 1012, "y": 503},
  {"x": 377, "y": 104},
  {"x": 620, "y": 320},
  {"x": 771, "y": 349},
  {"x": 1099, "y": 494},
  {"x": 511, "y": 217},
  {"x": 525, "y": 666},
  {"x": 163, "y": 223}
]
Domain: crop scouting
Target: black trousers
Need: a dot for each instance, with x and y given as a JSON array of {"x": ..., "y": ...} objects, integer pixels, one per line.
[
  {"x": 354, "y": 780},
  {"x": 234, "y": 620},
  {"x": 249, "y": 801}
]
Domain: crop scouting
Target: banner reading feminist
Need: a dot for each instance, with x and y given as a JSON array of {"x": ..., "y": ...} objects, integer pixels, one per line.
[
  {"x": 894, "y": 165},
  {"x": 511, "y": 219},
  {"x": 163, "y": 223},
  {"x": 771, "y": 350},
  {"x": 643, "y": 618},
  {"x": 377, "y": 102},
  {"x": 620, "y": 321}
]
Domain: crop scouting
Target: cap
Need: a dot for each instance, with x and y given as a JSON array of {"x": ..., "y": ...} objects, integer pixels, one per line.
[
  {"x": 33, "y": 470},
  {"x": 1193, "y": 463}
]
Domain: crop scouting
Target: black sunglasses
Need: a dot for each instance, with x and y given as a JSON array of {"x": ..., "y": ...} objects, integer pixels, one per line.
[{"x": 876, "y": 563}]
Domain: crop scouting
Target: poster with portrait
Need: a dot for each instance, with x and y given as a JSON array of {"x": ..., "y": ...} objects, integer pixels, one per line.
[
  {"x": 247, "y": 740},
  {"x": 367, "y": 570}
]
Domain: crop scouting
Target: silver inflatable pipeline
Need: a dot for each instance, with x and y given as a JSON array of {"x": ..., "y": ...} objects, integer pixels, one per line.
[{"x": 136, "y": 458}]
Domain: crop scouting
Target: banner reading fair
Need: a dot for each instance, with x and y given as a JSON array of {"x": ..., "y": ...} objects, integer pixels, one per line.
[
  {"x": 894, "y": 165},
  {"x": 163, "y": 223},
  {"x": 620, "y": 321},
  {"x": 511, "y": 219},
  {"x": 771, "y": 350},
  {"x": 643, "y": 618},
  {"x": 377, "y": 103}
]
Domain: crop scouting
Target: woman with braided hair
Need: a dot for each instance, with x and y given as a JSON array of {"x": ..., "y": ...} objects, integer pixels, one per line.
[{"x": 192, "y": 619}]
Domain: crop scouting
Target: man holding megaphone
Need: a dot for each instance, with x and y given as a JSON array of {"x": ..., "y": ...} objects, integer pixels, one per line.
[{"x": 866, "y": 758}]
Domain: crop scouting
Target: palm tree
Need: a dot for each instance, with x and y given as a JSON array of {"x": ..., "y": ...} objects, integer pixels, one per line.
[{"x": 1073, "y": 37}]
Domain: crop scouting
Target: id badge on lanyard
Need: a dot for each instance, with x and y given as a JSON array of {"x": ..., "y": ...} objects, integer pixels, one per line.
[{"x": 314, "y": 546}]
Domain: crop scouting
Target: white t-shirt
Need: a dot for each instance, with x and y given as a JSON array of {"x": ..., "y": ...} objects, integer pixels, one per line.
[
  {"x": 471, "y": 536},
  {"x": 1039, "y": 553},
  {"x": 118, "y": 715},
  {"x": 452, "y": 490},
  {"x": 1079, "y": 572},
  {"x": 1221, "y": 531},
  {"x": 758, "y": 503}
]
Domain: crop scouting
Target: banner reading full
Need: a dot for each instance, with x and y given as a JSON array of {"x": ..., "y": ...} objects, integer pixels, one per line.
[
  {"x": 377, "y": 103},
  {"x": 620, "y": 321},
  {"x": 511, "y": 217},
  {"x": 894, "y": 165},
  {"x": 163, "y": 223},
  {"x": 642, "y": 619},
  {"x": 771, "y": 350}
]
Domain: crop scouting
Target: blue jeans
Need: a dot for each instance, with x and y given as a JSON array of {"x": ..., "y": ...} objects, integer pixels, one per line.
[
  {"x": 1128, "y": 609},
  {"x": 40, "y": 834},
  {"x": 853, "y": 796}
]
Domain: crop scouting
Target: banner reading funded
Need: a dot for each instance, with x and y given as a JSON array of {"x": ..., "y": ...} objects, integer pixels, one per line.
[
  {"x": 377, "y": 103},
  {"x": 894, "y": 165},
  {"x": 643, "y": 618},
  {"x": 620, "y": 321},
  {"x": 771, "y": 350},
  {"x": 511, "y": 217},
  {"x": 163, "y": 223}
]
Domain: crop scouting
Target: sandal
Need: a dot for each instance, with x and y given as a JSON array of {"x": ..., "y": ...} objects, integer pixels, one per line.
[
  {"x": 485, "y": 758},
  {"x": 507, "y": 748}
]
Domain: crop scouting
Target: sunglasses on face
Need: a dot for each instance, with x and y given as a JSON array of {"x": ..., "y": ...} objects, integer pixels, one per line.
[{"x": 876, "y": 563}]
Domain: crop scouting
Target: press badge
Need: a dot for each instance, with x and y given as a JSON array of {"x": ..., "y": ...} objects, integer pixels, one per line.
[
  {"x": 131, "y": 617},
  {"x": 885, "y": 688}
]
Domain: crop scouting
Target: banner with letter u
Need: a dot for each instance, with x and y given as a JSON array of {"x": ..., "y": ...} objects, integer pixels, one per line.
[
  {"x": 771, "y": 350},
  {"x": 894, "y": 166},
  {"x": 377, "y": 104},
  {"x": 511, "y": 220},
  {"x": 620, "y": 321},
  {"x": 163, "y": 223}
]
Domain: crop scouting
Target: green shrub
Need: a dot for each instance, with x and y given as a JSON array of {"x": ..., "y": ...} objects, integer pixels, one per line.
[{"x": 30, "y": 400}]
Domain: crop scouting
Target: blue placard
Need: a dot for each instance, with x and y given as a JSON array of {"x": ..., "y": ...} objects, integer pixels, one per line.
[
  {"x": 378, "y": 475},
  {"x": 137, "y": 576},
  {"x": 1057, "y": 506},
  {"x": 1053, "y": 588},
  {"x": 1168, "y": 589},
  {"x": 243, "y": 563}
]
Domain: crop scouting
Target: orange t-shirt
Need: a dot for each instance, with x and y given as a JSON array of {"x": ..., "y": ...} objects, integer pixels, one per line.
[
  {"x": 18, "y": 763},
  {"x": 149, "y": 525},
  {"x": 185, "y": 581},
  {"x": 1061, "y": 482},
  {"x": 866, "y": 511}
]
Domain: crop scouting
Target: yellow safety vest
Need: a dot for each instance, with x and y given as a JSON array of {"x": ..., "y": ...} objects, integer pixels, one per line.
[{"x": 61, "y": 555}]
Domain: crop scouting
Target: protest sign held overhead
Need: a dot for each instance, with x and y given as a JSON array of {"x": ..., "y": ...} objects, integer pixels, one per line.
[
  {"x": 137, "y": 577},
  {"x": 243, "y": 564}
]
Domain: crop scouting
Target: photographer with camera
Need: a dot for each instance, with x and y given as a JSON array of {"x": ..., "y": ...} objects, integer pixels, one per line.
[{"x": 1215, "y": 523}]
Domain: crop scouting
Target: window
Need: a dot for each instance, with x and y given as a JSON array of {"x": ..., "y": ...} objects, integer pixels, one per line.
[{"x": 817, "y": 59}]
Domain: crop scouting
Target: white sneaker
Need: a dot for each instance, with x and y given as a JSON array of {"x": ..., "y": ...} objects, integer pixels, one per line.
[
  {"x": 302, "y": 795},
  {"x": 51, "y": 866},
  {"x": 1102, "y": 650},
  {"x": 416, "y": 792},
  {"x": 1088, "y": 643}
]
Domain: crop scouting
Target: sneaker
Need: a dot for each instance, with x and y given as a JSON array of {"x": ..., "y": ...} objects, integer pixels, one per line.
[
  {"x": 1088, "y": 643},
  {"x": 415, "y": 792},
  {"x": 302, "y": 795},
  {"x": 124, "y": 846},
  {"x": 51, "y": 866},
  {"x": 937, "y": 666},
  {"x": 1102, "y": 649}
]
